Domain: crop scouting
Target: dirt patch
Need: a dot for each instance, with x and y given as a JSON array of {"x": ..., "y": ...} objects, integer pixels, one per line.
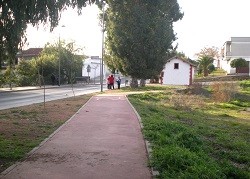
[{"x": 23, "y": 128}]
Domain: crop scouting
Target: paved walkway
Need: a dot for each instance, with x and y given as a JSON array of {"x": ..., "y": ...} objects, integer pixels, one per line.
[{"x": 102, "y": 141}]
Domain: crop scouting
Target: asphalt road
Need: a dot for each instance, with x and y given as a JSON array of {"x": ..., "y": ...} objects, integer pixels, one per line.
[{"x": 10, "y": 99}]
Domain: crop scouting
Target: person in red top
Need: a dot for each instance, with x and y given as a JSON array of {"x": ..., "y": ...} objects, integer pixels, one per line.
[{"x": 111, "y": 82}]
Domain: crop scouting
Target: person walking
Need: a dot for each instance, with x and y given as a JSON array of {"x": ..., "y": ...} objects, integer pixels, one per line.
[{"x": 118, "y": 81}]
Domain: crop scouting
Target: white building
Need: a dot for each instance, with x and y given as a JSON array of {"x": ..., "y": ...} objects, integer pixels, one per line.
[
  {"x": 92, "y": 68},
  {"x": 178, "y": 71},
  {"x": 237, "y": 47}
]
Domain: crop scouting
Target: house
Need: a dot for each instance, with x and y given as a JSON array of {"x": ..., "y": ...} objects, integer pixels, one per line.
[
  {"x": 29, "y": 54},
  {"x": 237, "y": 47},
  {"x": 178, "y": 71}
]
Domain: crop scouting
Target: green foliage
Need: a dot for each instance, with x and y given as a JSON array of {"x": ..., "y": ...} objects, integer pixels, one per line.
[
  {"x": 9, "y": 76},
  {"x": 211, "y": 68},
  {"x": 140, "y": 35},
  {"x": 15, "y": 15},
  {"x": 204, "y": 63},
  {"x": 239, "y": 62},
  {"x": 27, "y": 73},
  {"x": 245, "y": 84},
  {"x": 31, "y": 72}
]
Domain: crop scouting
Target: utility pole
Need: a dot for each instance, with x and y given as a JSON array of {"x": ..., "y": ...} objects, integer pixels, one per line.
[{"x": 101, "y": 69}]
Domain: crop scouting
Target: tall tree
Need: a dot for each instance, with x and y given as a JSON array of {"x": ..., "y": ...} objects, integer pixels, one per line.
[
  {"x": 140, "y": 35},
  {"x": 16, "y": 14}
]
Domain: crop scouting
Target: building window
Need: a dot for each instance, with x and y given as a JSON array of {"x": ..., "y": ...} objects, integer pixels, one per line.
[{"x": 176, "y": 65}]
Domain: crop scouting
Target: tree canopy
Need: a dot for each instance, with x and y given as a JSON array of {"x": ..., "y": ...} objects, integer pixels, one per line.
[
  {"x": 16, "y": 14},
  {"x": 238, "y": 62},
  {"x": 212, "y": 52},
  {"x": 204, "y": 63},
  {"x": 140, "y": 35}
]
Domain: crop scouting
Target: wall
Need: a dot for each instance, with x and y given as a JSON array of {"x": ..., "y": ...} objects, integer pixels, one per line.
[
  {"x": 176, "y": 76},
  {"x": 95, "y": 68}
]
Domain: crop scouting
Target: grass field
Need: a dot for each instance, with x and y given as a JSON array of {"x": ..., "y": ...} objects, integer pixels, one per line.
[{"x": 194, "y": 137}]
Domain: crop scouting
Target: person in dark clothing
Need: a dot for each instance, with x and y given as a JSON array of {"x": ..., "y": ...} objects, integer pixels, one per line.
[{"x": 118, "y": 81}]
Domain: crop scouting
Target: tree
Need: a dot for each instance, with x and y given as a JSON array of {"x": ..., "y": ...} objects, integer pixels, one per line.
[
  {"x": 238, "y": 62},
  {"x": 212, "y": 52},
  {"x": 140, "y": 35},
  {"x": 71, "y": 64},
  {"x": 27, "y": 73},
  {"x": 30, "y": 72},
  {"x": 204, "y": 63},
  {"x": 16, "y": 14}
]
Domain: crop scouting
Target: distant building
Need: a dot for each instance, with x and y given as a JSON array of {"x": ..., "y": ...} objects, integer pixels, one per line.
[
  {"x": 92, "y": 68},
  {"x": 237, "y": 47},
  {"x": 178, "y": 71},
  {"x": 29, "y": 54}
]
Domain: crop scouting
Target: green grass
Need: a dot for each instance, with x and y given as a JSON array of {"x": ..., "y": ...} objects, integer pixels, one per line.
[
  {"x": 212, "y": 141},
  {"x": 218, "y": 72},
  {"x": 215, "y": 73},
  {"x": 245, "y": 84},
  {"x": 146, "y": 88}
]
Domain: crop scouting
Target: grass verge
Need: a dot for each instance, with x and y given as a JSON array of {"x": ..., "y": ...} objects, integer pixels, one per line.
[
  {"x": 193, "y": 136},
  {"x": 23, "y": 128}
]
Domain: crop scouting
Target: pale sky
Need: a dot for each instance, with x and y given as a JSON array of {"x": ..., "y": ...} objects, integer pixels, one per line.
[{"x": 205, "y": 23}]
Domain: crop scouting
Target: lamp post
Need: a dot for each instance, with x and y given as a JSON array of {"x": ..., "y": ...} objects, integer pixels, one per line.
[
  {"x": 101, "y": 69},
  {"x": 59, "y": 61}
]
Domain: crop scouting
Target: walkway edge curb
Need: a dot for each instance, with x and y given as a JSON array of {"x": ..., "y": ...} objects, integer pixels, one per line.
[
  {"x": 148, "y": 147},
  {"x": 9, "y": 169}
]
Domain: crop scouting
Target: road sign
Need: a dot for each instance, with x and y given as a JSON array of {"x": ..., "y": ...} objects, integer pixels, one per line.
[
  {"x": 95, "y": 57},
  {"x": 88, "y": 68}
]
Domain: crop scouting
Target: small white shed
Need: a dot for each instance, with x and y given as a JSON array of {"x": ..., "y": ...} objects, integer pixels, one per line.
[{"x": 178, "y": 71}]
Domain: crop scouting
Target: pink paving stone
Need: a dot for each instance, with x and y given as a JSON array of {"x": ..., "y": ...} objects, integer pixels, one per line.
[{"x": 103, "y": 140}]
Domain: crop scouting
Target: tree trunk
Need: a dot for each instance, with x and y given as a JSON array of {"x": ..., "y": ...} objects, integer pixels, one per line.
[
  {"x": 134, "y": 83},
  {"x": 205, "y": 71},
  {"x": 142, "y": 82}
]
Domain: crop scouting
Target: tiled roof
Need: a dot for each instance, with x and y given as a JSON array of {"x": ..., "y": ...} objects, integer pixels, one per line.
[
  {"x": 182, "y": 59},
  {"x": 31, "y": 52}
]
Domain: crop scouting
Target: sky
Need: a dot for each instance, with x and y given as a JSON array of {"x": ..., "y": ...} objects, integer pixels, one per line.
[{"x": 206, "y": 23}]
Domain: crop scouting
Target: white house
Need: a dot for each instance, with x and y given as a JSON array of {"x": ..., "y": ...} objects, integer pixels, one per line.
[
  {"x": 178, "y": 71},
  {"x": 237, "y": 47},
  {"x": 92, "y": 68}
]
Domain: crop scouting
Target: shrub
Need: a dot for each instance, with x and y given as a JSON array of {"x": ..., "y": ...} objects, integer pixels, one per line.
[
  {"x": 239, "y": 62},
  {"x": 186, "y": 101},
  {"x": 223, "y": 92}
]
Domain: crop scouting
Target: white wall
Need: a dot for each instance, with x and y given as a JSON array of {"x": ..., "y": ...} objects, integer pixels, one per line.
[
  {"x": 95, "y": 68},
  {"x": 225, "y": 65},
  {"x": 179, "y": 76}
]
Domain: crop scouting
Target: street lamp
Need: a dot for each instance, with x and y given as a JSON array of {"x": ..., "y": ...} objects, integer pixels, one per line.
[
  {"x": 59, "y": 61},
  {"x": 101, "y": 69}
]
